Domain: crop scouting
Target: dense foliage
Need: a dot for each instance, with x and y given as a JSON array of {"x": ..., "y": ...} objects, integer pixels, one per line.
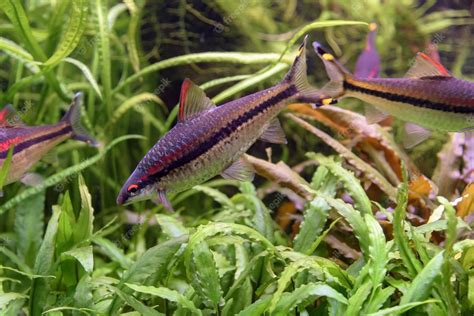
[{"x": 352, "y": 227}]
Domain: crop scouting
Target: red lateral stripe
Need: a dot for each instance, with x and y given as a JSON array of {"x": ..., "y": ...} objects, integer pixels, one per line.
[
  {"x": 182, "y": 97},
  {"x": 165, "y": 160},
  {"x": 5, "y": 145}
]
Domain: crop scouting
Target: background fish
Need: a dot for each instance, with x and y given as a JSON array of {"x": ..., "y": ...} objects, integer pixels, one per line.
[
  {"x": 368, "y": 63},
  {"x": 210, "y": 140},
  {"x": 429, "y": 96},
  {"x": 31, "y": 143}
]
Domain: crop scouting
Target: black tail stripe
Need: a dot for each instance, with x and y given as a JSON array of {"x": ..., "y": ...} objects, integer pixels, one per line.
[
  {"x": 224, "y": 132},
  {"x": 24, "y": 145},
  {"x": 427, "y": 104}
]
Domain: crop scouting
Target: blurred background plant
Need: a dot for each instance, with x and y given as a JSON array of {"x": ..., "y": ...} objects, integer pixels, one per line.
[{"x": 305, "y": 238}]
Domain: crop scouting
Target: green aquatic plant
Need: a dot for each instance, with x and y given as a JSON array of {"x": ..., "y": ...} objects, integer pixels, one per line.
[{"x": 316, "y": 234}]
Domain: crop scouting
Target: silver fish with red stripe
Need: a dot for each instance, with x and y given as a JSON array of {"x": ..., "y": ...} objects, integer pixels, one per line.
[
  {"x": 210, "y": 140},
  {"x": 31, "y": 143}
]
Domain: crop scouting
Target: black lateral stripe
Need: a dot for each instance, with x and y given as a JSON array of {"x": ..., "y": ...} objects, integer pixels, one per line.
[
  {"x": 427, "y": 104},
  {"x": 222, "y": 133},
  {"x": 24, "y": 145}
]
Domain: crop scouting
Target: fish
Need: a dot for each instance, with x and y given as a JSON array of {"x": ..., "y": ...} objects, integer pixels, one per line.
[
  {"x": 209, "y": 140},
  {"x": 31, "y": 143},
  {"x": 427, "y": 98},
  {"x": 368, "y": 62}
]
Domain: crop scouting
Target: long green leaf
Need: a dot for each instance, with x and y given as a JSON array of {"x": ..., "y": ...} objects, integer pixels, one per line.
[
  {"x": 73, "y": 33},
  {"x": 422, "y": 285},
  {"x": 43, "y": 265},
  {"x": 86, "y": 72},
  {"x": 103, "y": 33},
  {"x": 6, "y": 167},
  {"x": 166, "y": 294}
]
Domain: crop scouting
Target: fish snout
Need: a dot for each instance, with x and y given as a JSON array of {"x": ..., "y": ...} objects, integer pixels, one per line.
[{"x": 122, "y": 198}]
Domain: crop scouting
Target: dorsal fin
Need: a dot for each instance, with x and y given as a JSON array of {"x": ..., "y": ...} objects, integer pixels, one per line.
[
  {"x": 9, "y": 117},
  {"x": 192, "y": 100},
  {"x": 425, "y": 66}
]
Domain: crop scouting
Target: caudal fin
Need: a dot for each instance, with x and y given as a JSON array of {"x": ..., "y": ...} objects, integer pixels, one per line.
[
  {"x": 298, "y": 77},
  {"x": 73, "y": 118},
  {"x": 334, "y": 89}
]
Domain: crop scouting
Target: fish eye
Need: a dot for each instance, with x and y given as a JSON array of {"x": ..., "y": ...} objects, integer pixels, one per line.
[{"x": 132, "y": 188}]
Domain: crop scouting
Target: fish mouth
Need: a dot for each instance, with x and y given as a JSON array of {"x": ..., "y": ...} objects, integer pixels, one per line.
[{"x": 122, "y": 200}]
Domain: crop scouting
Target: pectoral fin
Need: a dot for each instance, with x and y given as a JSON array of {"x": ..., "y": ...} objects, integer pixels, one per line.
[
  {"x": 162, "y": 199},
  {"x": 274, "y": 133},
  {"x": 414, "y": 135},
  {"x": 240, "y": 170}
]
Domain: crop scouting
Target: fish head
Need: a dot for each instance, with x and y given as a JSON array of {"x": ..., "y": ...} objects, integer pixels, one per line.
[{"x": 135, "y": 189}]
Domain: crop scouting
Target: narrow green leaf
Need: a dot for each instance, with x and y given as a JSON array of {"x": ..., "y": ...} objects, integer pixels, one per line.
[
  {"x": 43, "y": 265},
  {"x": 305, "y": 295},
  {"x": 218, "y": 57},
  {"x": 377, "y": 251},
  {"x": 213, "y": 229},
  {"x": 217, "y": 195},
  {"x": 16, "y": 51},
  {"x": 136, "y": 304},
  {"x": 171, "y": 226},
  {"x": 103, "y": 33},
  {"x": 257, "y": 308},
  {"x": 315, "y": 217},
  {"x": 167, "y": 294},
  {"x": 85, "y": 221},
  {"x": 6, "y": 167},
  {"x": 350, "y": 182},
  {"x": 205, "y": 279},
  {"x": 356, "y": 221},
  {"x": 400, "y": 309},
  {"x": 17, "y": 16},
  {"x": 154, "y": 261},
  {"x": 421, "y": 286},
  {"x": 132, "y": 34},
  {"x": 83, "y": 255},
  {"x": 401, "y": 239},
  {"x": 86, "y": 72},
  {"x": 7, "y": 298},
  {"x": 357, "y": 300},
  {"x": 73, "y": 33},
  {"x": 29, "y": 225}
]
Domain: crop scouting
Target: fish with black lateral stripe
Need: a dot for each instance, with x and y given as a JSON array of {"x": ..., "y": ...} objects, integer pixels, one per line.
[
  {"x": 31, "y": 143},
  {"x": 428, "y": 97},
  {"x": 210, "y": 140}
]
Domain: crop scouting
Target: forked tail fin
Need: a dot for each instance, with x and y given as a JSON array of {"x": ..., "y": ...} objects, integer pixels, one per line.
[
  {"x": 73, "y": 118},
  {"x": 337, "y": 74},
  {"x": 298, "y": 77}
]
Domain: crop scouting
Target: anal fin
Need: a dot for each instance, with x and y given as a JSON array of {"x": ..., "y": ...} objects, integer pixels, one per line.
[
  {"x": 414, "y": 135},
  {"x": 240, "y": 170},
  {"x": 274, "y": 133}
]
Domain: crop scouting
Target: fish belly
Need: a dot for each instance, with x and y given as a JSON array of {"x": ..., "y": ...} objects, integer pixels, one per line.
[
  {"x": 428, "y": 118},
  {"x": 25, "y": 159}
]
